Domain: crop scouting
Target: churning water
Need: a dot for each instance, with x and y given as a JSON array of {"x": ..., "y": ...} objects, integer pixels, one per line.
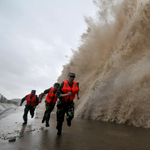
[{"x": 112, "y": 64}]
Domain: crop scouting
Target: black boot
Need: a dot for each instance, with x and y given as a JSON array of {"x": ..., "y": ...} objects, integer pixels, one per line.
[
  {"x": 24, "y": 123},
  {"x": 43, "y": 120},
  {"x": 47, "y": 124},
  {"x": 68, "y": 122},
  {"x": 59, "y": 132},
  {"x": 59, "y": 128}
]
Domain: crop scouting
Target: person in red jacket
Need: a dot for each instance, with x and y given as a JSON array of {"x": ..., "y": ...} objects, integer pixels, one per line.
[
  {"x": 50, "y": 102},
  {"x": 32, "y": 102},
  {"x": 66, "y": 94}
]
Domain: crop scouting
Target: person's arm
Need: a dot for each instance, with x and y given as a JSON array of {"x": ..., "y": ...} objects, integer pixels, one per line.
[
  {"x": 43, "y": 94},
  {"x": 37, "y": 101},
  {"x": 78, "y": 95},
  {"x": 23, "y": 100},
  {"x": 59, "y": 93},
  {"x": 78, "y": 92},
  {"x": 65, "y": 95}
]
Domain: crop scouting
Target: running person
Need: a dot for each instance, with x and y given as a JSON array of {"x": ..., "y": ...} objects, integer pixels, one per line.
[
  {"x": 49, "y": 102},
  {"x": 66, "y": 95}
]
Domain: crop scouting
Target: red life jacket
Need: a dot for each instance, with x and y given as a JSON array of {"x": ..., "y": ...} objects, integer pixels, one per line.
[
  {"x": 31, "y": 101},
  {"x": 51, "y": 96},
  {"x": 66, "y": 88}
]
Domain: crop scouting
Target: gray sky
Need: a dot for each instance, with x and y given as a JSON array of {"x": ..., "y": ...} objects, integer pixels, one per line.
[{"x": 35, "y": 37}]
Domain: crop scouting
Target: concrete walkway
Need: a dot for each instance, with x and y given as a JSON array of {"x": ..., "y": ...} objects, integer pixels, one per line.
[{"x": 82, "y": 135}]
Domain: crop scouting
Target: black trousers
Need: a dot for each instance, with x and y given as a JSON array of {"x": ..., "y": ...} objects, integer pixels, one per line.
[
  {"x": 25, "y": 115},
  {"x": 49, "y": 107},
  {"x": 62, "y": 108}
]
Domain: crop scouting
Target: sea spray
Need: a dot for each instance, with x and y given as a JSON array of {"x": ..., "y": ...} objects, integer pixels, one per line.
[{"x": 112, "y": 64}]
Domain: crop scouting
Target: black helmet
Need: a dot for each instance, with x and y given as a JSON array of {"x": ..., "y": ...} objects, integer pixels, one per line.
[{"x": 57, "y": 84}]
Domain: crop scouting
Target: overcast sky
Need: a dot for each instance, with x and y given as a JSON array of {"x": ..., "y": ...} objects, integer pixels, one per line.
[{"x": 35, "y": 37}]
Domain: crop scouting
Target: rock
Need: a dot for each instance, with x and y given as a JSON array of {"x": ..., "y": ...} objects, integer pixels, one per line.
[{"x": 12, "y": 140}]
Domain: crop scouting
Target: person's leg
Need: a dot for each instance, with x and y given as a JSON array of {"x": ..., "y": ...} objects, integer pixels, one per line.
[
  {"x": 48, "y": 111},
  {"x": 43, "y": 120},
  {"x": 70, "y": 113},
  {"x": 60, "y": 116},
  {"x": 25, "y": 115},
  {"x": 32, "y": 111}
]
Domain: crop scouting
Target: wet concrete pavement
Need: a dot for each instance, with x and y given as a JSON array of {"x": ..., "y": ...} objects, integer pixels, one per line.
[{"x": 82, "y": 135}]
